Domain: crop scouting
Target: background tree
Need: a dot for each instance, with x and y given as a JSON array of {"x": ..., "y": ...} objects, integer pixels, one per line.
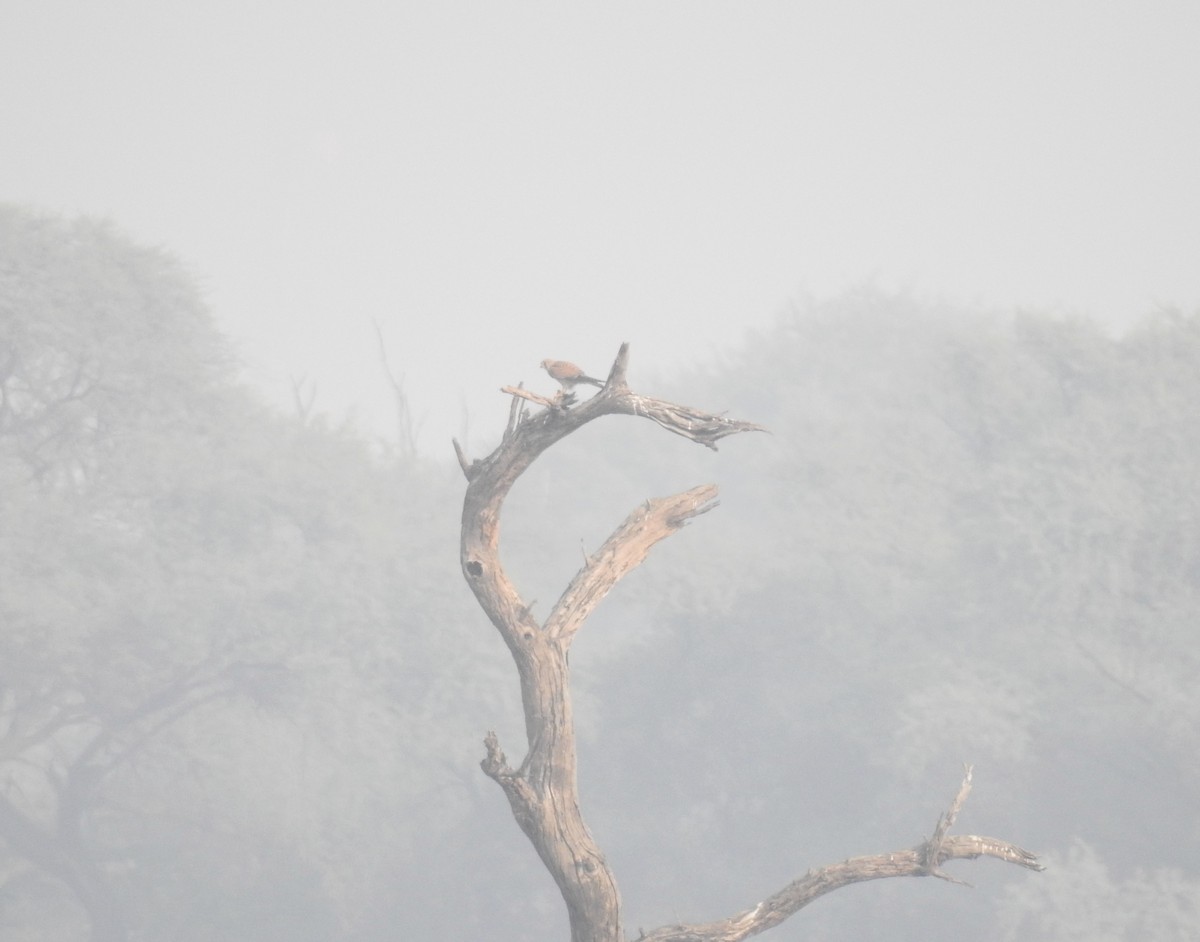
[
  {"x": 207, "y": 657},
  {"x": 881, "y": 534},
  {"x": 987, "y": 519}
]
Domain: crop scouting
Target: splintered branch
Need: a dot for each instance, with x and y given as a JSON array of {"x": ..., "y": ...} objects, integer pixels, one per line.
[
  {"x": 919, "y": 861},
  {"x": 516, "y": 412},
  {"x": 701, "y": 427}
]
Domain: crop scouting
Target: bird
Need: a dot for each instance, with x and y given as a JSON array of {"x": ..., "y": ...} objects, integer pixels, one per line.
[{"x": 568, "y": 374}]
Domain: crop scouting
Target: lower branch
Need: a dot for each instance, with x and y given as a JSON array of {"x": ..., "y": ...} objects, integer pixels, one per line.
[{"x": 920, "y": 861}]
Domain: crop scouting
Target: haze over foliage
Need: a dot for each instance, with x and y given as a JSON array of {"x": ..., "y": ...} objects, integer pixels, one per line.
[{"x": 242, "y": 685}]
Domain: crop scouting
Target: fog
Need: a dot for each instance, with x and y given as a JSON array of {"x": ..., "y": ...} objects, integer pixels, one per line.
[
  {"x": 946, "y": 257},
  {"x": 498, "y": 183}
]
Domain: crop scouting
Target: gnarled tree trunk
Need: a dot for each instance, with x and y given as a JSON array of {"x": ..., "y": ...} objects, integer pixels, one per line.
[{"x": 543, "y": 791}]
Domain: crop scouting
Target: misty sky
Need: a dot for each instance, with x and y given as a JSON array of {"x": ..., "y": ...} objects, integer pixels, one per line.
[{"x": 495, "y": 183}]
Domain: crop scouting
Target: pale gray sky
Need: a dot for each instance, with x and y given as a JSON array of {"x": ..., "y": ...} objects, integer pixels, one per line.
[{"x": 500, "y": 182}]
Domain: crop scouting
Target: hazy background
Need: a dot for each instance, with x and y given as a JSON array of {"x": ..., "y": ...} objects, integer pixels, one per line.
[
  {"x": 946, "y": 254},
  {"x": 495, "y": 183}
]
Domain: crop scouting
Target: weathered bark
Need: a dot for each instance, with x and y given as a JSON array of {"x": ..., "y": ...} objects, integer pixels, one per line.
[{"x": 543, "y": 791}]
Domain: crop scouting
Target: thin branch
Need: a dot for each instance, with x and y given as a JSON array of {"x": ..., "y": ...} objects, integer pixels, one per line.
[
  {"x": 516, "y": 414},
  {"x": 1100, "y": 666},
  {"x": 933, "y": 847},
  {"x": 520, "y": 392},
  {"x": 468, "y": 468},
  {"x": 303, "y": 398},
  {"x": 406, "y": 433}
]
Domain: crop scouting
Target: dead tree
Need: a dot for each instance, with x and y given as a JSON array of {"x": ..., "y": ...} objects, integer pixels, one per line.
[{"x": 542, "y": 790}]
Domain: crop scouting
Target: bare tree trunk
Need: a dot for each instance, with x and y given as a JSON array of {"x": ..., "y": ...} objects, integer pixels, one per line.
[
  {"x": 60, "y": 848},
  {"x": 543, "y": 791},
  {"x": 71, "y": 863}
]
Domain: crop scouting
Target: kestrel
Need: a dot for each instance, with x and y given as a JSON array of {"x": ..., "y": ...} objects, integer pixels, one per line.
[{"x": 568, "y": 374}]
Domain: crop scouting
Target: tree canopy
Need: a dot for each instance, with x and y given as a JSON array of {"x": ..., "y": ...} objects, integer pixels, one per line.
[{"x": 214, "y": 651}]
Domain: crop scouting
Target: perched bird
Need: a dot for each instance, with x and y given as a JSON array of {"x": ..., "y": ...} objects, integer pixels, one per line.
[{"x": 568, "y": 374}]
